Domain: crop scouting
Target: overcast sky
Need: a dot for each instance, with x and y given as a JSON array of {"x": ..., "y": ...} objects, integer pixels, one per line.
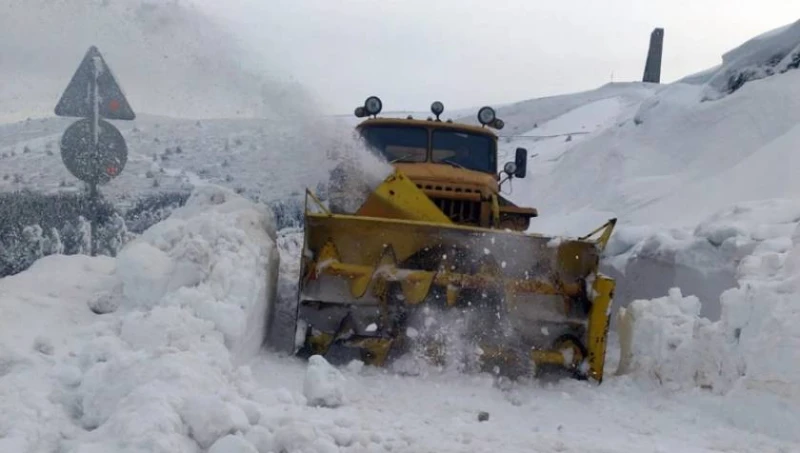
[{"x": 472, "y": 52}]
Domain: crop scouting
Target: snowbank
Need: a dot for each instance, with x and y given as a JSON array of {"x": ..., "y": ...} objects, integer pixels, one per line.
[
  {"x": 753, "y": 351},
  {"x": 524, "y": 116},
  {"x": 581, "y": 120},
  {"x": 44, "y": 320},
  {"x": 215, "y": 257},
  {"x": 186, "y": 303},
  {"x": 666, "y": 339},
  {"x": 770, "y": 53}
]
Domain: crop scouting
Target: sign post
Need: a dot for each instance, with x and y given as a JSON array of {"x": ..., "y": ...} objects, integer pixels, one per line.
[{"x": 92, "y": 149}]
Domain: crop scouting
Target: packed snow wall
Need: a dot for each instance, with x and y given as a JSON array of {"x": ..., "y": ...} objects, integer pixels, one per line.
[
  {"x": 142, "y": 352},
  {"x": 752, "y": 352}
]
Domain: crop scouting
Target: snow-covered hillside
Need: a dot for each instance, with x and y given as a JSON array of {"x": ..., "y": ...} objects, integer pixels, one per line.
[
  {"x": 160, "y": 349},
  {"x": 679, "y": 170},
  {"x": 250, "y": 156},
  {"x": 668, "y": 144}
]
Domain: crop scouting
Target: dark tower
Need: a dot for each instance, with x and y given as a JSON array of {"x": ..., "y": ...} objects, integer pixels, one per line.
[{"x": 652, "y": 69}]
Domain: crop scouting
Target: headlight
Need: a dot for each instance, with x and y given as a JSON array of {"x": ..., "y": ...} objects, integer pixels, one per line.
[
  {"x": 437, "y": 108},
  {"x": 486, "y": 115},
  {"x": 373, "y": 105}
]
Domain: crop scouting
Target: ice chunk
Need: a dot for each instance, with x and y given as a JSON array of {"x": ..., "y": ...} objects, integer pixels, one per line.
[
  {"x": 324, "y": 384},
  {"x": 144, "y": 271}
]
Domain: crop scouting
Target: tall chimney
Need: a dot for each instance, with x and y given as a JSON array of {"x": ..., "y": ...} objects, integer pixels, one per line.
[{"x": 652, "y": 69}]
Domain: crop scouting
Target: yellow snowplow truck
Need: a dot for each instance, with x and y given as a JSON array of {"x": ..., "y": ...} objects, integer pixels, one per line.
[{"x": 436, "y": 262}]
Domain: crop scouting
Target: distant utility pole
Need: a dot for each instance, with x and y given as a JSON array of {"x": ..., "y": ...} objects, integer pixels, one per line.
[{"x": 652, "y": 69}]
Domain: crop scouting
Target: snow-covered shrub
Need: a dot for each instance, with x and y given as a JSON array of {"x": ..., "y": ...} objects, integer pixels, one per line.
[
  {"x": 33, "y": 225},
  {"x": 152, "y": 209}
]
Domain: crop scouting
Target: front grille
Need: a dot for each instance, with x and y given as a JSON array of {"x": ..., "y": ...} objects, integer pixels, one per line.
[
  {"x": 460, "y": 211},
  {"x": 447, "y": 188}
]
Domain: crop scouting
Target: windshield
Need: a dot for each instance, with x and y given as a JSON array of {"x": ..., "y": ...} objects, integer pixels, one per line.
[
  {"x": 410, "y": 144},
  {"x": 398, "y": 143},
  {"x": 472, "y": 151}
]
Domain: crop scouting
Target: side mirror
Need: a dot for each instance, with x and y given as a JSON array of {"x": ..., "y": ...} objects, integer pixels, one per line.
[{"x": 521, "y": 163}]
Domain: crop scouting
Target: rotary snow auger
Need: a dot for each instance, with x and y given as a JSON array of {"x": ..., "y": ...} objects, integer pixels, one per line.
[{"x": 436, "y": 261}]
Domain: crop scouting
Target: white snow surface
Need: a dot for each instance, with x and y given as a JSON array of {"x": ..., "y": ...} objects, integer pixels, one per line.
[
  {"x": 751, "y": 354},
  {"x": 160, "y": 373},
  {"x": 581, "y": 120}
]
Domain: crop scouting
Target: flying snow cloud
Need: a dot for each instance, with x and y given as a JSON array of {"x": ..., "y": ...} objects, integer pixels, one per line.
[{"x": 170, "y": 58}]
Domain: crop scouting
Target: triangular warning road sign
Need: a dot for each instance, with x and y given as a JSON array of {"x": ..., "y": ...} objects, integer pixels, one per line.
[{"x": 77, "y": 101}]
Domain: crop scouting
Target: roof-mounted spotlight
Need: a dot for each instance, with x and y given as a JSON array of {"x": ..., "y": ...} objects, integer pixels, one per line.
[
  {"x": 373, "y": 105},
  {"x": 486, "y": 115},
  {"x": 437, "y": 108},
  {"x": 360, "y": 112},
  {"x": 498, "y": 124}
]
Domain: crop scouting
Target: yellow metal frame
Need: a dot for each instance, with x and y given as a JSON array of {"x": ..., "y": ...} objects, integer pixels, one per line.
[
  {"x": 399, "y": 198},
  {"x": 416, "y": 286},
  {"x": 398, "y": 202},
  {"x": 599, "y": 319},
  {"x": 606, "y": 229}
]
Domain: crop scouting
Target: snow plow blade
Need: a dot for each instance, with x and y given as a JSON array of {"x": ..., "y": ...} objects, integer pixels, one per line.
[{"x": 383, "y": 281}]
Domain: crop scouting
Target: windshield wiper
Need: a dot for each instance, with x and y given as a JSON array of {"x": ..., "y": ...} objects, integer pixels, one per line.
[
  {"x": 402, "y": 158},
  {"x": 455, "y": 164}
]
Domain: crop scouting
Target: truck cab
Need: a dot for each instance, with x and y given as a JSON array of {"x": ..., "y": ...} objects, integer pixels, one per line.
[{"x": 454, "y": 164}]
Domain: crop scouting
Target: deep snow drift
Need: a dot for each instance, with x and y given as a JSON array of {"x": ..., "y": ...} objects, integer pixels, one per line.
[
  {"x": 752, "y": 353},
  {"x": 140, "y": 353}
]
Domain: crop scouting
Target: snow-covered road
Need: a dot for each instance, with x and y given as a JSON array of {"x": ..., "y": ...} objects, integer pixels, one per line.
[{"x": 438, "y": 412}]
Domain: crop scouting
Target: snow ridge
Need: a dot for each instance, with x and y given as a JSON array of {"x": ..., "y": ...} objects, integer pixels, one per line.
[{"x": 185, "y": 304}]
